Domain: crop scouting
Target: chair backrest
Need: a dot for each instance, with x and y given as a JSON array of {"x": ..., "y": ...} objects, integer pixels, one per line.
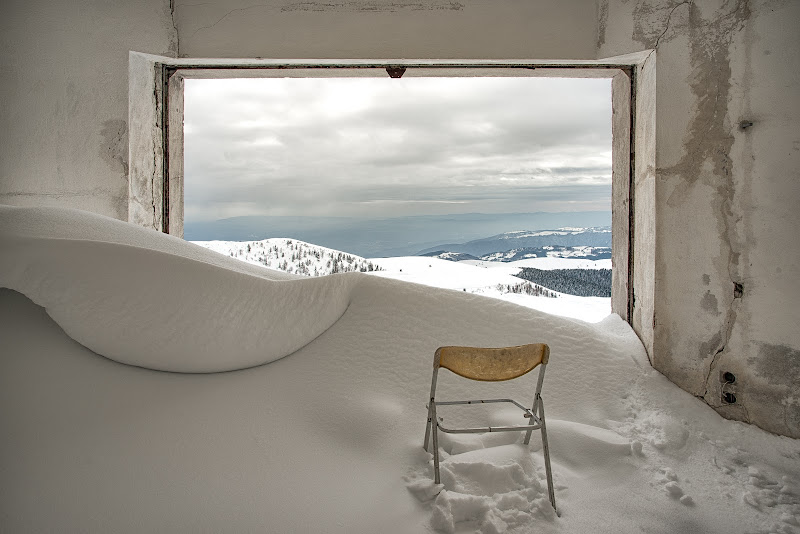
[{"x": 492, "y": 364}]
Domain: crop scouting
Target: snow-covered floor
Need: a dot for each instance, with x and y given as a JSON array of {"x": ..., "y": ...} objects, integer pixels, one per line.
[{"x": 327, "y": 437}]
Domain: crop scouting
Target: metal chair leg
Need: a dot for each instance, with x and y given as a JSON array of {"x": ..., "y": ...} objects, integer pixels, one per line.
[
  {"x": 527, "y": 439},
  {"x": 435, "y": 429},
  {"x": 532, "y": 423},
  {"x": 427, "y": 429},
  {"x": 546, "y": 450}
]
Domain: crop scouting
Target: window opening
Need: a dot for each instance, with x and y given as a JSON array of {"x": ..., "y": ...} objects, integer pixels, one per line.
[{"x": 443, "y": 172}]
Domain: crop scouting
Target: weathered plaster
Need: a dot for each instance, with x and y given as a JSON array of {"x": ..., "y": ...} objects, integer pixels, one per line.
[
  {"x": 777, "y": 366},
  {"x": 642, "y": 215},
  {"x": 145, "y": 195},
  {"x": 602, "y": 20},
  {"x": 63, "y": 99},
  {"x": 620, "y": 192},
  {"x": 705, "y": 159},
  {"x": 726, "y": 172},
  {"x": 114, "y": 148},
  {"x": 175, "y": 155},
  {"x": 765, "y": 341},
  {"x": 174, "y": 44},
  {"x": 709, "y": 303}
]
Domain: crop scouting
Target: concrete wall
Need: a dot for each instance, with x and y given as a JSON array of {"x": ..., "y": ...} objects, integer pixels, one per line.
[
  {"x": 64, "y": 98},
  {"x": 727, "y": 260},
  {"x": 441, "y": 29},
  {"x": 716, "y": 259}
]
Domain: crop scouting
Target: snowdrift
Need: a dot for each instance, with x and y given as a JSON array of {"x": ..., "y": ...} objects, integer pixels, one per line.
[
  {"x": 143, "y": 305},
  {"x": 328, "y": 436}
]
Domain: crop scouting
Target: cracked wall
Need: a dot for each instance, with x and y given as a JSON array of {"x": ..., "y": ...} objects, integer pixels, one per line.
[
  {"x": 64, "y": 99},
  {"x": 727, "y": 262}
]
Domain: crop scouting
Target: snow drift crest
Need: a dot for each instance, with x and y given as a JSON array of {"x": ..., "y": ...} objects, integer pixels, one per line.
[{"x": 151, "y": 300}]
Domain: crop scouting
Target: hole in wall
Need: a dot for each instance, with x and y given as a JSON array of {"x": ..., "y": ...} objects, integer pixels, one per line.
[
  {"x": 738, "y": 290},
  {"x": 728, "y": 377}
]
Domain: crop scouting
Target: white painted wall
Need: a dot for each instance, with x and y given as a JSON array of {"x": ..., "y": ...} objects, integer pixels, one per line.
[
  {"x": 725, "y": 197},
  {"x": 64, "y": 98}
]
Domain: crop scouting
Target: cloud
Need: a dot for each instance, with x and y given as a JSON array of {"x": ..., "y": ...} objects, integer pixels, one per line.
[{"x": 377, "y": 146}]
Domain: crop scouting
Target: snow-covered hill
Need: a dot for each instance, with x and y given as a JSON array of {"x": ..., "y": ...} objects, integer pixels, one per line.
[
  {"x": 487, "y": 278},
  {"x": 460, "y": 276},
  {"x": 496, "y": 280},
  {"x": 291, "y": 256}
]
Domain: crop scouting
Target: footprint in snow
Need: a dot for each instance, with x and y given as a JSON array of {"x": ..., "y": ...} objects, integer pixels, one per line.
[{"x": 669, "y": 479}]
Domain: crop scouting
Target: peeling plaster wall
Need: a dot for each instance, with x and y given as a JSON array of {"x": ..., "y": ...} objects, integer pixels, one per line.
[
  {"x": 388, "y": 29},
  {"x": 727, "y": 259},
  {"x": 64, "y": 98}
]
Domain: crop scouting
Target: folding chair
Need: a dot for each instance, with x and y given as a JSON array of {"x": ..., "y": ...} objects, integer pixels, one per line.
[{"x": 492, "y": 365}]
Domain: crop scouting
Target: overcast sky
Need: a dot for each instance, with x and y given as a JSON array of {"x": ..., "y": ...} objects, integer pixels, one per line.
[{"x": 387, "y": 147}]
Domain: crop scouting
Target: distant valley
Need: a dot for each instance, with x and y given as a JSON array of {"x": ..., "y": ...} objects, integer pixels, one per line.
[
  {"x": 580, "y": 252},
  {"x": 590, "y": 244},
  {"x": 398, "y": 236},
  {"x": 586, "y": 243}
]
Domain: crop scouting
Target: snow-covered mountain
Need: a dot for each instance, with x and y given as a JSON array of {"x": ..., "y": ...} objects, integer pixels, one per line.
[
  {"x": 292, "y": 256},
  {"x": 549, "y": 251},
  {"x": 568, "y": 237},
  {"x": 568, "y": 230},
  {"x": 517, "y": 254}
]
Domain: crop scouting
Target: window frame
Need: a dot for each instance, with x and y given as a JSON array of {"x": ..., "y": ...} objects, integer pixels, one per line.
[{"x": 156, "y": 142}]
